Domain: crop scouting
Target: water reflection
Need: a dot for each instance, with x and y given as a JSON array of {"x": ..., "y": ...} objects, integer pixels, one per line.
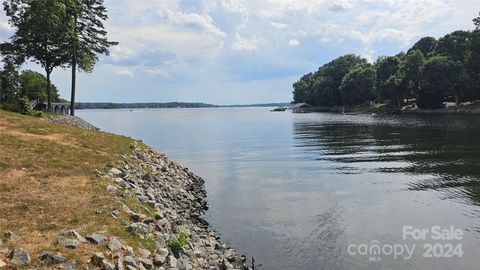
[
  {"x": 444, "y": 148},
  {"x": 295, "y": 190}
]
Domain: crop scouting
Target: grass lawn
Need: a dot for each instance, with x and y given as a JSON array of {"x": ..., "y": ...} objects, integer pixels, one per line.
[{"x": 47, "y": 182}]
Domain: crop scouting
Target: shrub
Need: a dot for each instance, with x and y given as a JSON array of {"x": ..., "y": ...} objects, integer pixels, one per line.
[
  {"x": 179, "y": 242},
  {"x": 24, "y": 106}
]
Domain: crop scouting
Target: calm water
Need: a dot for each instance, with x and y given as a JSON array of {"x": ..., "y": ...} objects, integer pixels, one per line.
[{"x": 304, "y": 191}]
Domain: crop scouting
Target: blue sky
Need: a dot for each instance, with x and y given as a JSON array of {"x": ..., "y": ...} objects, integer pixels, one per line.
[{"x": 232, "y": 51}]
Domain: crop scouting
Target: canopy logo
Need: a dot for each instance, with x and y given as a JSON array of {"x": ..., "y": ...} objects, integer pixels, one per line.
[{"x": 437, "y": 242}]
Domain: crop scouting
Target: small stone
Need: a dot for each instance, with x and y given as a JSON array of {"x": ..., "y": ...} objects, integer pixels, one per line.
[
  {"x": 20, "y": 257},
  {"x": 159, "y": 215},
  {"x": 143, "y": 199},
  {"x": 71, "y": 265},
  {"x": 77, "y": 235},
  {"x": 96, "y": 238},
  {"x": 114, "y": 244},
  {"x": 115, "y": 213},
  {"x": 127, "y": 210},
  {"x": 198, "y": 254},
  {"x": 106, "y": 265},
  {"x": 97, "y": 259},
  {"x": 116, "y": 172},
  {"x": 135, "y": 217},
  {"x": 146, "y": 263},
  {"x": 12, "y": 236},
  {"x": 118, "y": 259},
  {"x": 4, "y": 251},
  {"x": 159, "y": 260},
  {"x": 137, "y": 228},
  {"x": 44, "y": 256},
  {"x": 122, "y": 183},
  {"x": 129, "y": 250},
  {"x": 111, "y": 189},
  {"x": 201, "y": 262},
  {"x": 56, "y": 259},
  {"x": 2, "y": 264},
  {"x": 183, "y": 265},
  {"x": 129, "y": 261},
  {"x": 172, "y": 261},
  {"x": 69, "y": 243},
  {"x": 144, "y": 253}
]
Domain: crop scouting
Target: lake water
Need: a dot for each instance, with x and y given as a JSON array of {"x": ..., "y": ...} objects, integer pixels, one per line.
[{"x": 314, "y": 191}]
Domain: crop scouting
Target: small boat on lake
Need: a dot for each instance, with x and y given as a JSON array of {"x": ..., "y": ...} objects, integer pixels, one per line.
[{"x": 279, "y": 109}]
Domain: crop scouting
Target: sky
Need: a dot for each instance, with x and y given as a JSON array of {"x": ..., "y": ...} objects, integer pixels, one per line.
[{"x": 244, "y": 52}]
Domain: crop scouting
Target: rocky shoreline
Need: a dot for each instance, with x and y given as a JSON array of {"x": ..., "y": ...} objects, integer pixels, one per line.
[
  {"x": 72, "y": 121},
  {"x": 179, "y": 199},
  {"x": 159, "y": 203},
  {"x": 472, "y": 107}
]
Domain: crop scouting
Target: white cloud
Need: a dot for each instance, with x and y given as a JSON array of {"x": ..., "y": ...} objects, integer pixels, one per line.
[
  {"x": 5, "y": 27},
  {"x": 125, "y": 71},
  {"x": 245, "y": 44},
  {"x": 339, "y": 5},
  {"x": 293, "y": 43},
  {"x": 203, "y": 21},
  {"x": 278, "y": 25},
  {"x": 195, "y": 42},
  {"x": 158, "y": 72}
]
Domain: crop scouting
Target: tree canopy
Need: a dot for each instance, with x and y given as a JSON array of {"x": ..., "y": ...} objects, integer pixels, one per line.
[
  {"x": 17, "y": 89},
  {"x": 41, "y": 34},
  {"x": 88, "y": 37},
  {"x": 55, "y": 33},
  {"x": 431, "y": 72}
]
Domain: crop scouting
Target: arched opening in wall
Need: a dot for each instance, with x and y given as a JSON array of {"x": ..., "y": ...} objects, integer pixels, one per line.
[
  {"x": 56, "y": 110},
  {"x": 62, "y": 110}
]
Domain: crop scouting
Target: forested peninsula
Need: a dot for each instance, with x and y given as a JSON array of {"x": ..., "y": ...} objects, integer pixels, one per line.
[{"x": 432, "y": 73}]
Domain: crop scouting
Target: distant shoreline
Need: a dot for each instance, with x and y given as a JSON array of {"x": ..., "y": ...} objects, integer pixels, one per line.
[
  {"x": 473, "y": 108},
  {"x": 158, "y": 105}
]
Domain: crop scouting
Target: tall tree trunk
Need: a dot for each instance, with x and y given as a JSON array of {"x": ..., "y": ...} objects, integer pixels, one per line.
[
  {"x": 74, "y": 71},
  {"x": 49, "y": 94},
  {"x": 74, "y": 79}
]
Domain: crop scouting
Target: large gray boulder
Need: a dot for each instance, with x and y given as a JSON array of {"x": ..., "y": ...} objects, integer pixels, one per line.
[
  {"x": 20, "y": 257},
  {"x": 96, "y": 238}
]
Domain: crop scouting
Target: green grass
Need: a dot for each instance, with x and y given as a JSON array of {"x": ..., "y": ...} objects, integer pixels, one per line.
[{"x": 47, "y": 184}]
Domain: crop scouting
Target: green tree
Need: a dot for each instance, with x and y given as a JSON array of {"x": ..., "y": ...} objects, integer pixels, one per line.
[
  {"x": 426, "y": 45},
  {"x": 325, "y": 92},
  {"x": 436, "y": 83},
  {"x": 41, "y": 34},
  {"x": 88, "y": 37},
  {"x": 388, "y": 81},
  {"x": 410, "y": 70},
  {"x": 454, "y": 45},
  {"x": 473, "y": 59},
  {"x": 358, "y": 85},
  {"x": 301, "y": 88},
  {"x": 33, "y": 85},
  {"x": 322, "y": 88},
  {"x": 9, "y": 84},
  {"x": 476, "y": 22},
  {"x": 334, "y": 72}
]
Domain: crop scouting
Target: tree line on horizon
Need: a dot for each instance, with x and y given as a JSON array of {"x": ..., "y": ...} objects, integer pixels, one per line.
[
  {"x": 53, "y": 34},
  {"x": 430, "y": 72}
]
